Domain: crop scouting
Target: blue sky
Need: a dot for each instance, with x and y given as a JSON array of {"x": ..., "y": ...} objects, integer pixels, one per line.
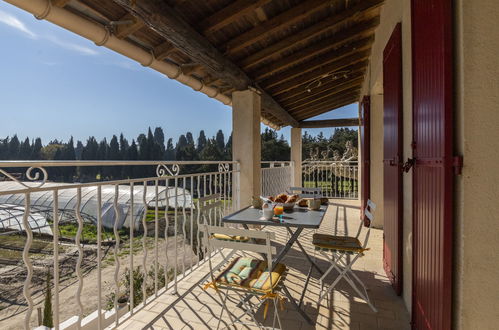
[{"x": 55, "y": 84}]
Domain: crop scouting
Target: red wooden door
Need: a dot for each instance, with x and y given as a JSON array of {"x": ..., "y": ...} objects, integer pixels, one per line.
[
  {"x": 433, "y": 174},
  {"x": 392, "y": 159},
  {"x": 365, "y": 147}
]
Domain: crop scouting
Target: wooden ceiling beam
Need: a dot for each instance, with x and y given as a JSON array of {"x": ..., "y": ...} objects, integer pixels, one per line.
[
  {"x": 334, "y": 98},
  {"x": 276, "y": 23},
  {"x": 356, "y": 61},
  {"x": 320, "y": 61},
  {"x": 319, "y": 111},
  {"x": 317, "y": 48},
  {"x": 344, "y": 122},
  {"x": 163, "y": 50},
  {"x": 313, "y": 97},
  {"x": 164, "y": 20},
  {"x": 328, "y": 108},
  {"x": 314, "y": 110},
  {"x": 303, "y": 36},
  {"x": 343, "y": 90},
  {"x": 189, "y": 68},
  {"x": 230, "y": 14},
  {"x": 325, "y": 85},
  {"x": 60, "y": 3},
  {"x": 131, "y": 26}
]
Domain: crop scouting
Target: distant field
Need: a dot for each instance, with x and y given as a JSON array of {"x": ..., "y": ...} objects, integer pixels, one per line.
[{"x": 342, "y": 187}]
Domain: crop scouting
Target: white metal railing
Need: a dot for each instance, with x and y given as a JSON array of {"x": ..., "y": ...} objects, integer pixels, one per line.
[
  {"x": 276, "y": 177},
  {"x": 336, "y": 178},
  {"x": 155, "y": 219}
]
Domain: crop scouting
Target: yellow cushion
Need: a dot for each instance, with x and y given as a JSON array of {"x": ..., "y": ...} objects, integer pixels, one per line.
[
  {"x": 337, "y": 243},
  {"x": 252, "y": 274},
  {"x": 224, "y": 237}
]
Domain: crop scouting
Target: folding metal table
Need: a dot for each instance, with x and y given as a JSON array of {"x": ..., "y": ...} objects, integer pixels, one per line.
[{"x": 299, "y": 219}]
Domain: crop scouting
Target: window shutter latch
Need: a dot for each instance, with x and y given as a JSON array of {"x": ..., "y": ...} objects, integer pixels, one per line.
[{"x": 408, "y": 164}]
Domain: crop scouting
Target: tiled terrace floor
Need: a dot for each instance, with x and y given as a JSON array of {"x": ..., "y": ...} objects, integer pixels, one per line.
[{"x": 194, "y": 308}]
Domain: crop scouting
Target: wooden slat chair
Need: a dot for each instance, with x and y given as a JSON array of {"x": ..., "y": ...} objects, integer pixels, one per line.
[
  {"x": 304, "y": 192},
  {"x": 341, "y": 246},
  {"x": 211, "y": 212},
  {"x": 247, "y": 276}
]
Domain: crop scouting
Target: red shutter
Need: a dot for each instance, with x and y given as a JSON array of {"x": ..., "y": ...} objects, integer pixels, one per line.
[
  {"x": 392, "y": 158},
  {"x": 433, "y": 175},
  {"x": 365, "y": 147}
]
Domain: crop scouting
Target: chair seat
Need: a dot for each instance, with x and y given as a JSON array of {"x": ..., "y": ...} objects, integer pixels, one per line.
[
  {"x": 345, "y": 244},
  {"x": 233, "y": 238},
  {"x": 250, "y": 274}
]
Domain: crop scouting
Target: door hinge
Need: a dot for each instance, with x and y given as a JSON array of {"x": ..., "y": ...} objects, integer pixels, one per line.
[
  {"x": 408, "y": 164},
  {"x": 457, "y": 163}
]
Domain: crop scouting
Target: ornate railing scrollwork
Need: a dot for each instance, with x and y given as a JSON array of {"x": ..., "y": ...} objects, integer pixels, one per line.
[
  {"x": 223, "y": 167},
  {"x": 32, "y": 174},
  {"x": 164, "y": 170}
]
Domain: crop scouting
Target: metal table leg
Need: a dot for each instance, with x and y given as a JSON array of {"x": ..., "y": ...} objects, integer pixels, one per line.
[
  {"x": 312, "y": 262},
  {"x": 295, "y": 305}
]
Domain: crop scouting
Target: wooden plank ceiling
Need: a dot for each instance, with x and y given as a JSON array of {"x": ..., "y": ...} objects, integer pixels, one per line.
[{"x": 306, "y": 57}]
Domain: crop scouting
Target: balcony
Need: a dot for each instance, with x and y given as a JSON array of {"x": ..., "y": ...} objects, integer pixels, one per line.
[{"x": 150, "y": 225}]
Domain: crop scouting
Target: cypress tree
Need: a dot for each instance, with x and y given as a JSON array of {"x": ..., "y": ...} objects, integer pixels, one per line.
[
  {"x": 47, "y": 306},
  {"x": 201, "y": 142}
]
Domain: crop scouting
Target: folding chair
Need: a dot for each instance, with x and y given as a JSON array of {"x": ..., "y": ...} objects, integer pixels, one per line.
[
  {"x": 306, "y": 192},
  {"x": 210, "y": 213},
  {"x": 340, "y": 247},
  {"x": 247, "y": 276}
]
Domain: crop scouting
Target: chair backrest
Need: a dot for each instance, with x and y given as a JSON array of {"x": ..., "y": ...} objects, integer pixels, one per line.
[
  {"x": 210, "y": 209},
  {"x": 369, "y": 214},
  {"x": 250, "y": 245},
  {"x": 306, "y": 192}
]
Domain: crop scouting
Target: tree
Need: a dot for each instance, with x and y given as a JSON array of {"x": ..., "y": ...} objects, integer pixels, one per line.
[
  {"x": 220, "y": 140},
  {"x": 25, "y": 150},
  {"x": 123, "y": 147},
  {"x": 79, "y": 150},
  {"x": 274, "y": 148},
  {"x": 210, "y": 152},
  {"x": 184, "y": 150},
  {"x": 143, "y": 147},
  {"x": 113, "y": 154},
  {"x": 228, "y": 149},
  {"x": 4, "y": 148},
  {"x": 158, "y": 149},
  {"x": 201, "y": 141},
  {"x": 90, "y": 152},
  {"x": 114, "y": 149},
  {"x": 132, "y": 154},
  {"x": 170, "y": 150},
  {"x": 47, "y": 305},
  {"x": 69, "y": 154},
  {"x": 14, "y": 148},
  {"x": 190, "y": 139},
  {"x": 159, "y": 138}
]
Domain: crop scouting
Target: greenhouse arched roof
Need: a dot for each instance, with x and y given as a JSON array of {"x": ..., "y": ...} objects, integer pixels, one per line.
[
  {"x": 42, "y": 202},
  {"x": 11, "y": 218}
]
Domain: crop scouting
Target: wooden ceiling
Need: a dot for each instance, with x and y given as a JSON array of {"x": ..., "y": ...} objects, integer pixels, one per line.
[{"x": 305, "y": 57}]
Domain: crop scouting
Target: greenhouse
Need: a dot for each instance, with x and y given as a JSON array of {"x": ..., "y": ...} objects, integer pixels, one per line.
[
  {"x": 42, "y": 203},
  {"x": 11, "y": 219}
]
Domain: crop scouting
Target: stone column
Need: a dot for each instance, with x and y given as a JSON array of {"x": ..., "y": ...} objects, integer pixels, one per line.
[
  {"x": 296, "y": 156},
  {"x": 246, "y": 145}
]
